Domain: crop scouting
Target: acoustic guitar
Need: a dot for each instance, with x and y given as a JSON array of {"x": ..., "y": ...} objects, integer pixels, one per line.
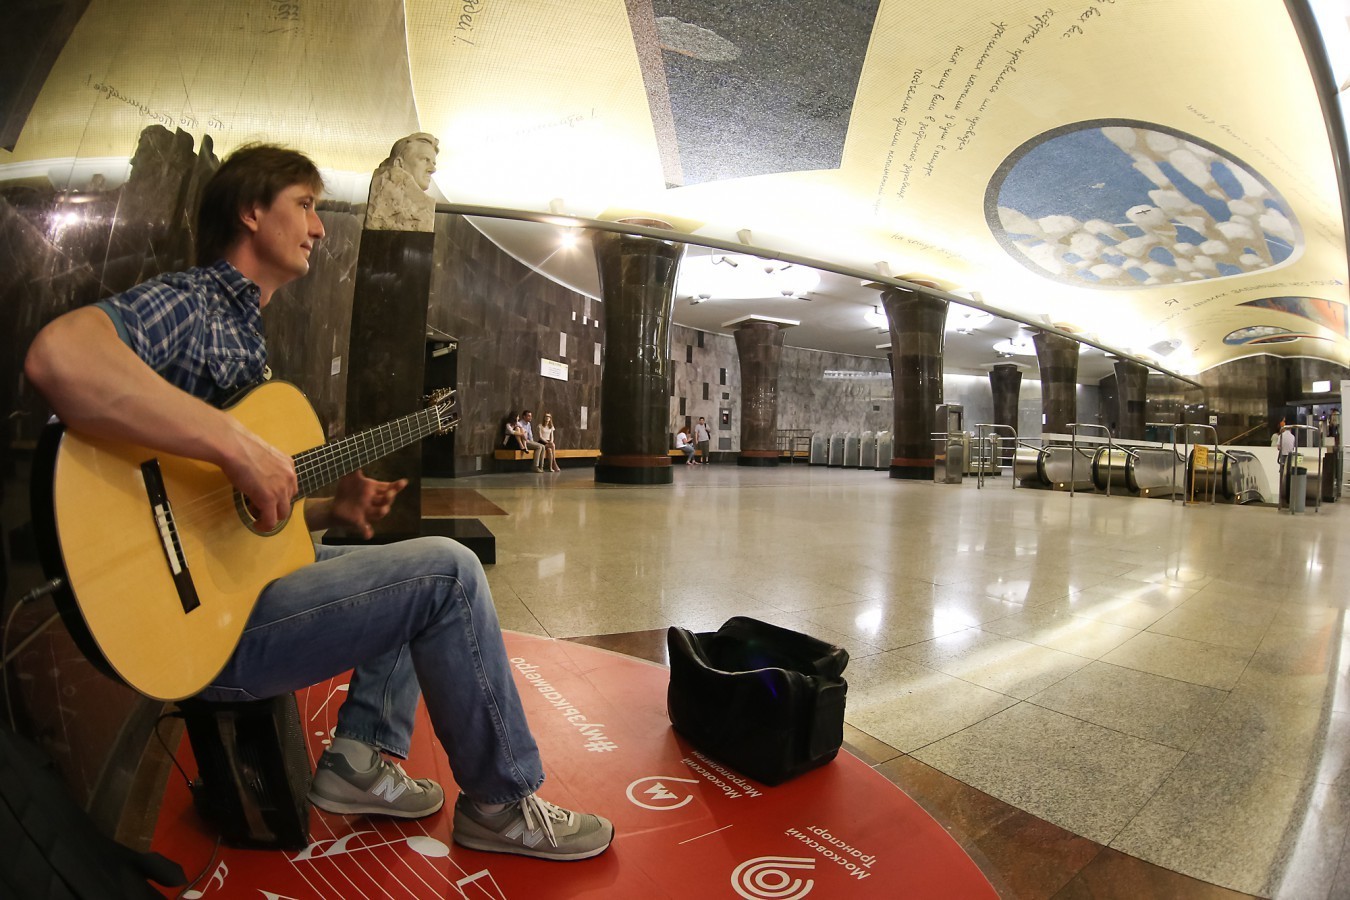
[{"x": 162, "y": 559}]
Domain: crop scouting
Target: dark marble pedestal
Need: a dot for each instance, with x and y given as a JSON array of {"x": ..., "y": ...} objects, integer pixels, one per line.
[{"x": 472, "y": 533}]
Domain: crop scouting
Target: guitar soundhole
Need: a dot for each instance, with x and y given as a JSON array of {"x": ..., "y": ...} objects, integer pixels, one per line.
[{"x": 248, "y": 514}]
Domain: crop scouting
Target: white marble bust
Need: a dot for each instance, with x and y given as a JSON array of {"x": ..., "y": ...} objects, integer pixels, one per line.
[{"x": 398, "y": 189}]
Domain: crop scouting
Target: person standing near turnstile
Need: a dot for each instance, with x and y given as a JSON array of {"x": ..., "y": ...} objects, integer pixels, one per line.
[{"x": 1287, "y": 455}]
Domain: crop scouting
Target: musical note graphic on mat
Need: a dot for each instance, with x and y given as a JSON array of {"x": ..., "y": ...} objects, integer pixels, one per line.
[
  {"x": 219, "y": 874},
  {"x": 340, "y": 687},
  {"x": 473, "y": 881},
  {"x": 420, "y": 844}
]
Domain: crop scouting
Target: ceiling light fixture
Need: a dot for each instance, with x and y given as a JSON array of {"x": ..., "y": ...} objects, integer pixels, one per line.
[{"x": 876, "y": 318}]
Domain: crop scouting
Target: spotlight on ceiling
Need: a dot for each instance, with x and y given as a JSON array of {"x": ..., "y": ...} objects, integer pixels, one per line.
[
  {"x": 724, "y": 259},
  {"x": 876, "y": 318},
  {"x": 568, "y": 239}
]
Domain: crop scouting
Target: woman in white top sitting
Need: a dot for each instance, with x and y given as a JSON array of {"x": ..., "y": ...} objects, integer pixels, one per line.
[
  {"x": 683, "y": 443},
  {"x": 546, "y": 431}
]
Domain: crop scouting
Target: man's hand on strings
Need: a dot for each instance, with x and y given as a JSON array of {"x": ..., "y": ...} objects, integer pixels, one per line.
[{"x": 360, "y": 502}]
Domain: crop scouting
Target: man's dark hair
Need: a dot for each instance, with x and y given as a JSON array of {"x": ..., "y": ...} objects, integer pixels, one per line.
[{"x": 253, "y": 174}]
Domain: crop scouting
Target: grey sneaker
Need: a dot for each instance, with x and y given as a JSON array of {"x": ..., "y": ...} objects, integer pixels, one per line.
[
  {"x": 532, "y": 827},
  {"x": 383, "y": 790}
]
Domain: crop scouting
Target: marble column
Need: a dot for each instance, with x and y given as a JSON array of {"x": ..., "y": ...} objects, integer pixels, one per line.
[
  {"x": 1058, "y": 359},
  {"x": 387, "y": 355},
  {"x": 1005, "y": 380},
  {"x": 637, "y": 284},
  {"x": 917, "y": 322},
  {"x": 759, "y": 345},
  {"x": 1131, "y": 399}
]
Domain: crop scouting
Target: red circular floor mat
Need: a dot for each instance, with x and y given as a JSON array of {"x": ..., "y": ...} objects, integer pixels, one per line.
[{"x": 686, "y": 826}]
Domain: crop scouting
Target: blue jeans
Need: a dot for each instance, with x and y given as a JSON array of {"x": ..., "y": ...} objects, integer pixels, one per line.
[{"x": 416, "y": 612}]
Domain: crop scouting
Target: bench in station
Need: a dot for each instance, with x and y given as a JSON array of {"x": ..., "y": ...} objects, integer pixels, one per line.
[{"x": 525, "y": 456}]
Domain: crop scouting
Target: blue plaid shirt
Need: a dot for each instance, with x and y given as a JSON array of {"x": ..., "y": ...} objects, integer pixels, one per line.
[{"x": 200, "y": 329}]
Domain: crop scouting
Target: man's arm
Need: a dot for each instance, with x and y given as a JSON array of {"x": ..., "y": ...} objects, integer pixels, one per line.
[{"x": 98, "y": 386}]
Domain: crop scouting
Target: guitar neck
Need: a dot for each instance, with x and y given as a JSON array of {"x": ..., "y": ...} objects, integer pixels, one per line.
[{"x": 324, "y": 465}]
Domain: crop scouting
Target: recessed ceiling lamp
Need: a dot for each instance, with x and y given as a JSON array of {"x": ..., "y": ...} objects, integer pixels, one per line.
[
  {"x": 964, "y": 320},
  {"x": 1018, "y": 346},
  {"x": 876, "y": 318}
]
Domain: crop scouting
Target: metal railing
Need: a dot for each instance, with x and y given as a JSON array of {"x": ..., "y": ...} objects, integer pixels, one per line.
[
  {"x": 1321, "y": 456},
  {"x": 1190, "y": 454},
  {"x": 1073, "y": 458},
  {"x": 987, "y": 434},
  {"x": 1171, "y": 426},
  {"x": 794, "y": 441}
]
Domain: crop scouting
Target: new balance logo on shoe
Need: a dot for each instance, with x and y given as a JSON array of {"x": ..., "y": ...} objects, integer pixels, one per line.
[
  {"x": 530, "y": 837},
  {"x": 390, "y": 788}
]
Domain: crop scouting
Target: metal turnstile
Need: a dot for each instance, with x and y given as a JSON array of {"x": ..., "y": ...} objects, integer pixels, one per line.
[
  {"x": 867, "y": 450},
  {"x": 820, "y": 449},
  {"x": 883, "y": 461},
  {"x": 852, "y": 448},
  {"x": 949, "y": 458},
  {"x": 836, "y": 457}
]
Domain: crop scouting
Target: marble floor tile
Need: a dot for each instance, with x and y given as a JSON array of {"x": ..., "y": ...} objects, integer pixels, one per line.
[
  {"x": 1191, "y": 661},
  {"x": 1300, "y": 667},
  {"x": 1021, "y": 588},
  {"x": 514, "y": 615},
  {"x": 1061, "y": 630},
  {"x": 1305, "y": 615},
  {"x": 917, "y": 707},
  {"x": 1239, "y": 608},
  {"x": 887, "y": 625},
  {"x": 1007, "y": 665},
  {"x": 1181, "y": 576},
  {"x": 1209, "y": 627},
  {"x": 1243, "y": 827},
  {"x": 1112, "y": 875},
  {"x": 1023, "y": 856},
  {"x": 1157, "y": 709},
  {"x": 1088, "y": 779},
  {"x": 1305, "y": 742}
]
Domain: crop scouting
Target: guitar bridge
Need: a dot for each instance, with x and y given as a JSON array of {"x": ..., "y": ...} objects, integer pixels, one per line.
[{"x": 167, "y": 529}]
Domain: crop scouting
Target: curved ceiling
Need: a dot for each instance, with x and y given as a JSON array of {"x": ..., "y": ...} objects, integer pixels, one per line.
[{"x": 1156, "y": 174}]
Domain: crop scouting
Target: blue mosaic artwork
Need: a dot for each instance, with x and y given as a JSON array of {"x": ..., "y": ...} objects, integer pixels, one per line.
[{"x": 1124, "y": 204}]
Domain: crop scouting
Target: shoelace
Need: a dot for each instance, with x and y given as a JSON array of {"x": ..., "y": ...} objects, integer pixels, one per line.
[
  {"x": 411, "y": 784},
  {"x": 539, "y": 813}
]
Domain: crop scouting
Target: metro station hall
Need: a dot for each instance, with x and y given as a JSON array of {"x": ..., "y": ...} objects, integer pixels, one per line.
[{"x": 673, "y": 449}]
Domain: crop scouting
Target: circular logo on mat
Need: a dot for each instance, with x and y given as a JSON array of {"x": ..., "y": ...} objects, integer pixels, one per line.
[
  {"x": 770, "y": 878},
  {"x": 658, "y": 796}
]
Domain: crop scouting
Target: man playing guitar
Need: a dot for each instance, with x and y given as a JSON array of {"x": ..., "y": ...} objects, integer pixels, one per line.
[{"x": 151, "y": 367}]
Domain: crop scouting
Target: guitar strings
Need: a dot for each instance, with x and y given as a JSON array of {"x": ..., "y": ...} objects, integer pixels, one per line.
[{"x": 323, "y": 465}]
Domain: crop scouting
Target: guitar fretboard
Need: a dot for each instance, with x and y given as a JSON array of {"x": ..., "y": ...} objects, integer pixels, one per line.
[{"x": 324, "y": 465}]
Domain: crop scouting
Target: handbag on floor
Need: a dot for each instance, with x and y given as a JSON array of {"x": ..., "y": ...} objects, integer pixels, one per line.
[{"x": 765, "y": 700}]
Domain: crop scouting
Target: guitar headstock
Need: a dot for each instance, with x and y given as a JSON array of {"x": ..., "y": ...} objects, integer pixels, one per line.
[{"x": 445, "y": 403}]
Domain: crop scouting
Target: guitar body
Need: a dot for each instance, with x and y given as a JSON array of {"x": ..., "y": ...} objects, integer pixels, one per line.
[{"x": 122, "y": 602}]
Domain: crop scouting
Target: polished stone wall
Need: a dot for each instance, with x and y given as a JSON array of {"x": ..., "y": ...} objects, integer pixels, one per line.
[
  {"x": 508, "y": 320},
  {"x": 825, "y": 392}
]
